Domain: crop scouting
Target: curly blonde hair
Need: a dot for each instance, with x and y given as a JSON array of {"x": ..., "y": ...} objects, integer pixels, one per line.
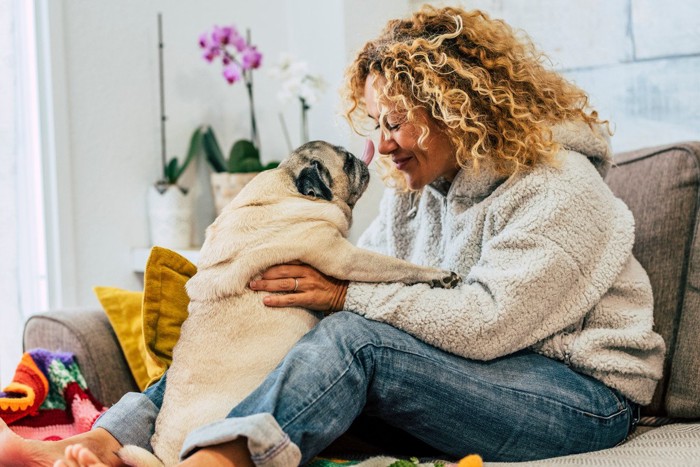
[{"x": 482, "y": 83}]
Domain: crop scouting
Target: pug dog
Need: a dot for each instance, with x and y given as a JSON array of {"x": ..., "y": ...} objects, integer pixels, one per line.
[{"x": 230, "y": 341}]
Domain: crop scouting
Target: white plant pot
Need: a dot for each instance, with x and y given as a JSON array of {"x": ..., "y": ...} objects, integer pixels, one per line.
[
  {"x": 226, "y": 186},
  {"x": 170, "y": 217}
]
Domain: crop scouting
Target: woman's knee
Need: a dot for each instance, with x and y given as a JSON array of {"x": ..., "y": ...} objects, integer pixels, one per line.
[
  {"x": 349, "y": 331},
  {"x": 343, "y": 320}
]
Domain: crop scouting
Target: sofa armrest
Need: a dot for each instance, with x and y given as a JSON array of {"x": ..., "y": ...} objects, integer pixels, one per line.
[{"x": 89, "y": 335}]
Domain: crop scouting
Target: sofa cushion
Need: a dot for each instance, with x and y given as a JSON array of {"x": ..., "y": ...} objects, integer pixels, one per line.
[
  {"x": 147, "y": 324},
  {"x": 164, "y": 309},
  {"x": 661, "y": 186},
  {"x": 123, "y": 308}
]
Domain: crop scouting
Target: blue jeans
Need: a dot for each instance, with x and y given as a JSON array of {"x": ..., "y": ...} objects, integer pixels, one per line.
[{"x": 519, "y": 407}]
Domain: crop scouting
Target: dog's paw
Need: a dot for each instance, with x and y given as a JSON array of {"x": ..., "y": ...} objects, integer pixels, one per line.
[{"x": 447, "y": 282}]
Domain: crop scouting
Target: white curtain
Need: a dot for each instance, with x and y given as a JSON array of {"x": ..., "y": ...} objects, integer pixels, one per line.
[{"x": 22, "y": 253}]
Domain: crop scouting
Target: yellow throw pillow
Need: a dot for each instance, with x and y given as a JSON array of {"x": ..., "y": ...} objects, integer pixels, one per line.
[
  {"x": 147, "y": 324},
  {"x": 164, "y": 309},
  {"x": 123, "y": 308}
]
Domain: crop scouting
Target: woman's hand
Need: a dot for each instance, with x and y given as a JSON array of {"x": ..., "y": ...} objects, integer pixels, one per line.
[{"x": 298, "y": 284}]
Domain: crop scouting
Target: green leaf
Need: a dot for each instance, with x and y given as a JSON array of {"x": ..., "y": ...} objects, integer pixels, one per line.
[
  {"x": 244, "y": 157},
  {"x": 271, "y": 165},
  {"x": 213, "y": 151},
  {"x": 249, "y": 164},
  {"x": 171, "y": 171},
  {"x": 243, "y": 149},
  {"x": 194, "y": 149}
]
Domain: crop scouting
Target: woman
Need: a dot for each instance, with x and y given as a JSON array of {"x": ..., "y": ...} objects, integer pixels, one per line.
[{"x": 547, "y": 347}]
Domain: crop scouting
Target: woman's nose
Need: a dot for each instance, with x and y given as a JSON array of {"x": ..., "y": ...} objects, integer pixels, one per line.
[{"x": 386, "y": 145}]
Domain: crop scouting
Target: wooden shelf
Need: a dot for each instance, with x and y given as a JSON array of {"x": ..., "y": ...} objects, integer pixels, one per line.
[{"x": 139, "y": 256}]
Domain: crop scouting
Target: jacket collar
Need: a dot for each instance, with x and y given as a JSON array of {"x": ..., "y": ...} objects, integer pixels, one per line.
[{"x": 467, "y": 184}]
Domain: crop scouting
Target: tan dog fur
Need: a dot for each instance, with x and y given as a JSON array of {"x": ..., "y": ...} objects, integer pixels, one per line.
[{"x": 230, "y": 340}]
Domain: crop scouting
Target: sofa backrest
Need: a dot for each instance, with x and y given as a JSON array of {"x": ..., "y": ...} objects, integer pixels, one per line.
[{"x": 662, "y": 187}]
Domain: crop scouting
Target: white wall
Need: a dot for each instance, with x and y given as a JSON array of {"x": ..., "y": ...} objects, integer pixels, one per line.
[
  {"x": 112, "y": 150},
  {"x": 639, "y": 60}
]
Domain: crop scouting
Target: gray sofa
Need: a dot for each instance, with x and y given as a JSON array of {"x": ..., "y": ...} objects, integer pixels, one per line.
[{"x": 662, "y": 188}]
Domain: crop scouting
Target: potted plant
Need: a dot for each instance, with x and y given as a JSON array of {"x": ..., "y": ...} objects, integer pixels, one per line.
[
  {"x": 173, "y": 170},
  {"x": 239, "y": 58},
  {"x": 169, "y": 206},
  {"x": 231, "y": 174}
]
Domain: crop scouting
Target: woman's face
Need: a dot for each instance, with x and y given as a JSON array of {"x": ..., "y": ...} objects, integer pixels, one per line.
[{"x": 420, "y": 166}]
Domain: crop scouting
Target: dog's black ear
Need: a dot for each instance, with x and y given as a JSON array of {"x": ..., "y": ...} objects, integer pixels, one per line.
[{"x": 316, "y": 181}]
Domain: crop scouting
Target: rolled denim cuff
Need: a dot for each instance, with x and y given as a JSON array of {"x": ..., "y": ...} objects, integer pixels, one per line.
[
  {"x": 131, "y": 420},
  {"x": 269, "y": 446}
]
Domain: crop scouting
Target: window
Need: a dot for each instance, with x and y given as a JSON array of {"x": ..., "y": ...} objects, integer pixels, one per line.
[{"x": 23, "y": 269}]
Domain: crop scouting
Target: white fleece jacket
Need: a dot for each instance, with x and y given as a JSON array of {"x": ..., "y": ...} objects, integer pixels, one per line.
[{"x": 546, "y": 261}]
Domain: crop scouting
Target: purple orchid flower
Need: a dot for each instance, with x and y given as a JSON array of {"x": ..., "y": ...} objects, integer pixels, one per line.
[
  {"x": 229, "y": 44},
  {"x": 222, "y": 36},
  {"x": 251, "y": 58},
  {"x": 238, "y": 41},
  {"x": 204, "y": 41},
  {"x": 233, "y": 73},
  {"x": 211, "y": 53},
  {"x": 239, "y": 59}
]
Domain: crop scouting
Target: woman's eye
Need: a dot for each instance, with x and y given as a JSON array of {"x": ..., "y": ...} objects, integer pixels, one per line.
[{"x": 388, "y": 126}]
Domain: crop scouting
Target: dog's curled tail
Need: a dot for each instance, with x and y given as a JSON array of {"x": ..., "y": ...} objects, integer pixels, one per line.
[{"x": 138, "y": 457}]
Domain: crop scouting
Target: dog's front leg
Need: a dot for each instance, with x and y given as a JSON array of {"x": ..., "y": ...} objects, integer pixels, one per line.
[{"x": 339, "y": 258}]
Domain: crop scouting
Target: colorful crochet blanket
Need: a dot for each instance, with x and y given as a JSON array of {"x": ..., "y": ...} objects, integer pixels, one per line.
[{"x": 48, "y": 398}]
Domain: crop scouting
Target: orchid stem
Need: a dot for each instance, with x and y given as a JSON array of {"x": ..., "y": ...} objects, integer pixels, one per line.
[
  {"x": 253, "y": 125},
  {"x": 162, "y": 96},
  {"x": 304, "y": 121},
  {"x": 248, "y": 75}
]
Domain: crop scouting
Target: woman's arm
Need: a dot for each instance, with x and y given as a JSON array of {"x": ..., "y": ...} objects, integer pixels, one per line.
[{"x": 552, "y": 257}]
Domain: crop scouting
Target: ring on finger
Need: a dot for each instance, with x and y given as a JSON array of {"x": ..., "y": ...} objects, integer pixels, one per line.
[{"x": 296, "y": 284}]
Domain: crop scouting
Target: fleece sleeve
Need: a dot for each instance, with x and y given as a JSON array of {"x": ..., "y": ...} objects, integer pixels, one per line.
[{"x": 541, "y": 272}]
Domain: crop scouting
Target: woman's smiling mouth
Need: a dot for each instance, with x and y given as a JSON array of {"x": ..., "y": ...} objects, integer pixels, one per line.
[{"x": 402, "y": 161}]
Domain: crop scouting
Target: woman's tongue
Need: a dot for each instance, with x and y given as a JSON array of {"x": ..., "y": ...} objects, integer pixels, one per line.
[{"x": 368, "y": 154}]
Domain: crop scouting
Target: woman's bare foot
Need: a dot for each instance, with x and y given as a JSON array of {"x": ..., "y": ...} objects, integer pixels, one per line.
[
  {"x": 17, "y": 451},
  {"x": 77, "y": 455}
]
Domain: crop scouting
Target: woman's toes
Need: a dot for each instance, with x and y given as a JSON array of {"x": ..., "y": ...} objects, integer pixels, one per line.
[{"x": 88, "y": 458}]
